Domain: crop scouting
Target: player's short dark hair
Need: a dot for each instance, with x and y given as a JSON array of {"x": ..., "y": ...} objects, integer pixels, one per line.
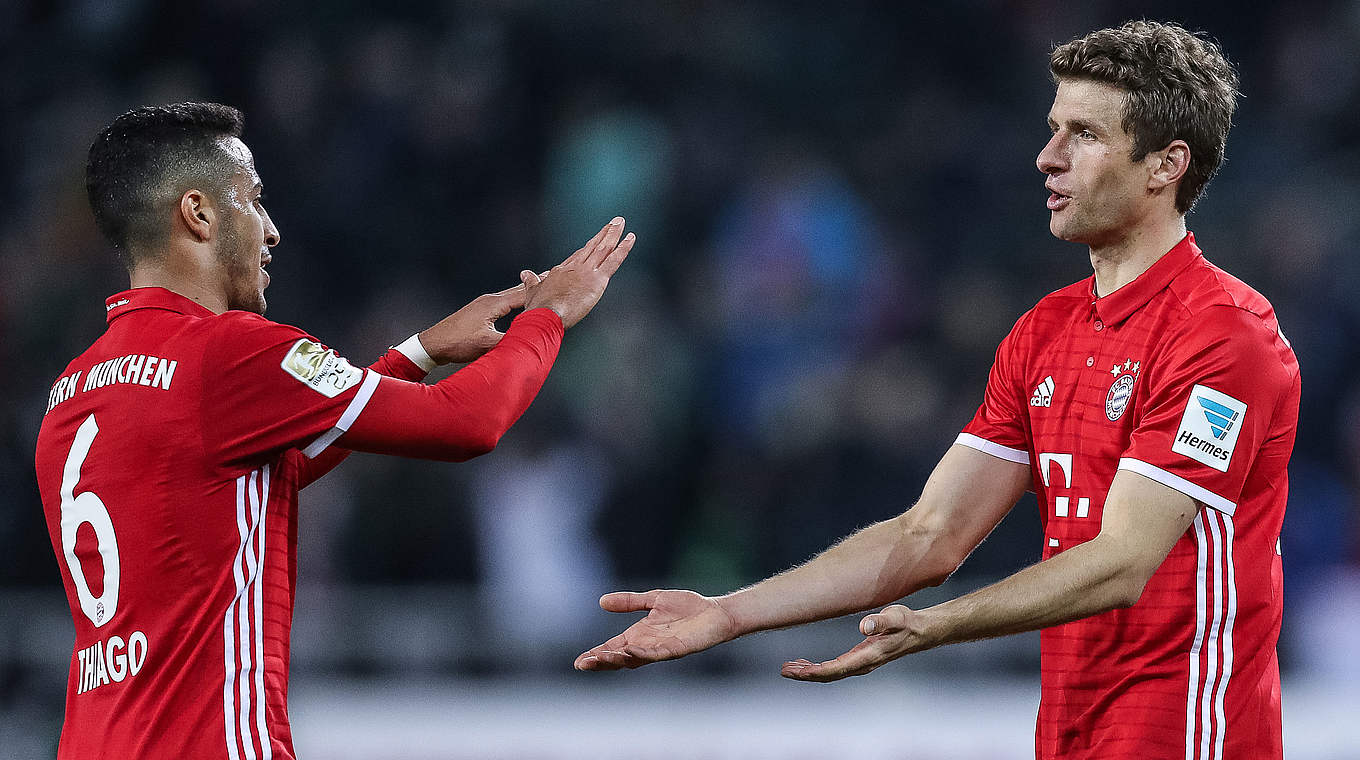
[
  {"x": 140, "y": 165},
  {"x": 1178, "y": 85}
]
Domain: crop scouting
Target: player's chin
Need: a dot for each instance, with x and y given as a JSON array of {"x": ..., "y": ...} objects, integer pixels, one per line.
[
  {"x": 1063, "y": 228},
  {"x": 256, "y": 303}
]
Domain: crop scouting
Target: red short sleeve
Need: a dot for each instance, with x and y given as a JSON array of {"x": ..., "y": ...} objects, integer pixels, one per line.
[
  {"x": 998, "y": 426},
  {"x": 1212, "y": 403},
  {"x": 270, "y": 387}
]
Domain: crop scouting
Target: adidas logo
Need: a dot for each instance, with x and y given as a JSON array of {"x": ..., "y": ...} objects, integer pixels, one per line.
[{"x": 1043, "y": 395}]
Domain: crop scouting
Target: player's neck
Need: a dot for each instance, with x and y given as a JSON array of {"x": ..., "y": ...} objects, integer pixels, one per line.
[
  {"x": 1119, "y": 263},
  {"x": 196, "y": 275}
]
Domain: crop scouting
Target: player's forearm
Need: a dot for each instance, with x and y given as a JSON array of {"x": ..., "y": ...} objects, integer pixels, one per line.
[
  {"x": 871, "y": 568},
  {"x": 465, "y": 414},
  {"x": 1086, "y": 580}
]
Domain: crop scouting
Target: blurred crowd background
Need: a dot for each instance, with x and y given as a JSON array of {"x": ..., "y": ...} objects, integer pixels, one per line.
[{"x": 838, "y": 217}]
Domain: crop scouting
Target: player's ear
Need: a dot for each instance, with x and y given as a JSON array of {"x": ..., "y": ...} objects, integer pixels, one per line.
[
  {"x": 197, "y": 214},
  {"x": 1168, "y": 165}
]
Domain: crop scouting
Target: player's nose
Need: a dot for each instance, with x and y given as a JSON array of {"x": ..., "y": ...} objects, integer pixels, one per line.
[
  {"x": 271, "y": 233},
  {"x": 1053, "y": 157}
]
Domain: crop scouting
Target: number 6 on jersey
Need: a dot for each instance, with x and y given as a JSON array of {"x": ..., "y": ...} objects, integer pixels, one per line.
[{"x": 88, "y": 508}]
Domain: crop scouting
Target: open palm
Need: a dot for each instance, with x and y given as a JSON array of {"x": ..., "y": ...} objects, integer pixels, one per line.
[{"x": 677, "y": 623}]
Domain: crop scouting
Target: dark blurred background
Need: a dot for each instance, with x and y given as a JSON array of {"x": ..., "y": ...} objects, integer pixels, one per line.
[{"x": 838, "y": 217}]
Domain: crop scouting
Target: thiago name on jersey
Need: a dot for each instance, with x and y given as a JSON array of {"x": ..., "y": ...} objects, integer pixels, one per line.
[
  {"x": 114, "y": 660},
  {"x": 137, "y": 369}
]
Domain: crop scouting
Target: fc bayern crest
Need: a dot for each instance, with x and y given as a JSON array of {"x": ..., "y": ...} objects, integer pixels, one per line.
[{"x": 1121, "y": 390}]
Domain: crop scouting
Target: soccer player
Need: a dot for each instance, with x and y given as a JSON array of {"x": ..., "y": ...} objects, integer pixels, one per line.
[
  {"x": 172, "y": 450},
  {"x": 1151, "y": 407}
]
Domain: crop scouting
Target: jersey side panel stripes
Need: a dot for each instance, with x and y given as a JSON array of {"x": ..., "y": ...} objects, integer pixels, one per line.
[
  {"x": 266, "y": 751},
  {"x": 244, "y": 706}
]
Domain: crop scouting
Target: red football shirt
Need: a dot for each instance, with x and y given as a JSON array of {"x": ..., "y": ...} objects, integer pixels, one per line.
[
  {"x": 1182, "y": 376},
  {"x": 169, "y": 463}
]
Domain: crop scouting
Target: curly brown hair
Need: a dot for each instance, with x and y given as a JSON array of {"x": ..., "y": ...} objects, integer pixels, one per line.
[{"x": 1178, "y": 85}]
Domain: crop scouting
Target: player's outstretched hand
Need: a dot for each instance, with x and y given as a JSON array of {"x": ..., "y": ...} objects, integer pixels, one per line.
[
  {"x": 471, "y": 331},
  {"x": 677, "y": 623},
  {"x": 573, "y": 287},
  {"x": 888, "y": 635}
]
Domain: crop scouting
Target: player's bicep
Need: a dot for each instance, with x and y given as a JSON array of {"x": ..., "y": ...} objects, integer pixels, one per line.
[
  {"x": 967, "y": 495},
  {"x": 1142, "y": 520},
  {"x": 398, "y": 363}
]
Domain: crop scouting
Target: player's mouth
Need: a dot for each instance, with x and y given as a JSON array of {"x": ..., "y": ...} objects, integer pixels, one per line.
[
  {"x": 1056, "y": 200},
  {"x": 264, "y": 262}
]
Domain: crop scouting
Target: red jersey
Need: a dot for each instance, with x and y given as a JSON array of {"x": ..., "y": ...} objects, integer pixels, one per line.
[
  {"x": 1182, "y": 376},
  {"x": 169, "y": 463}
]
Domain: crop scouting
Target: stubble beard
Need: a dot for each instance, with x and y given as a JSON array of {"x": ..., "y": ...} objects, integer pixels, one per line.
[{"x": 243, "y": 271}]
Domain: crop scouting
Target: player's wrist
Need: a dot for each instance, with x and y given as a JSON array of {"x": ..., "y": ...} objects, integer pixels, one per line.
[
  {"x": 414, "y": 350},
  {"x": 740, "y": 613},
  {"x": 548, "y": 314}
]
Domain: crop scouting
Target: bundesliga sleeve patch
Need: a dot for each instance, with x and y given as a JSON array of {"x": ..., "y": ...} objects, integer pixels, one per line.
[
  {"x": 1209, "y": 427},
  {"x": 320, "y": 368}
]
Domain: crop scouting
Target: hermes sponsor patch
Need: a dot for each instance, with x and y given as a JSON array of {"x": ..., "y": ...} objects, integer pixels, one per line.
[
  {"x": 320, "y": 368},
  {"x": 1209, "y": 427}
]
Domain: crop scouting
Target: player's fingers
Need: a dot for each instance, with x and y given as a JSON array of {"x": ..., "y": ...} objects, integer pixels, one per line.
[
  {"x": 590, "y": 662},
  {"x": 610, "y": 264},
  {"x": 585, "y": 250},
  {"x": 628, "y": 601},
  {"x": 856, "y": 662},
  {"x": 528, "y": 279},
  {"x": 891, "y": 620},
  {"x": 601, "y": 659},
  {"x": 511, "y": 290},
  {"x": 508, "y": 300},
  {"x": 606, "y": 244},
  {"x": 644, "y": 654},
  {"x": 586, "y": 661}
]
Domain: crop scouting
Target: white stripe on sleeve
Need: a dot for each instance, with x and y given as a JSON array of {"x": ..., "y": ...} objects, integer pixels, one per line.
[
  {"x": 1171, "y": 480},
  {"x": 1019, "y": 456},
  {"x": 351, "y": 413}
]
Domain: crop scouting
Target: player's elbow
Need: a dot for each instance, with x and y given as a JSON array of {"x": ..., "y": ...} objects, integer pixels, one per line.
[
  {"x": 943, "y": 553},
  {"x": 942, "y": 566},
  {"x": 480, "y": 443},
  {"x": 1127, "y": 585},
  {"x": 1125, "y": 595}
]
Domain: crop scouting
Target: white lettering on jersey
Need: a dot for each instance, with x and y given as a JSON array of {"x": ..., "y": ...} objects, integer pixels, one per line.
[
  {"x": 320, "y": 368},
  {"x": 1209, "y": 427},
  {"x": 110, "y": 661},
  {"x": 1043, "y": 395},
  {"x": 62, "y": 390},
  {"x": 151, "y": 371}
]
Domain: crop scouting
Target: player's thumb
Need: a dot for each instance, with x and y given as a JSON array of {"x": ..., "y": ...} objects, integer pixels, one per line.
[
  {"x": 890, "y": 620},
  {"x": 529, "y": 278}
]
